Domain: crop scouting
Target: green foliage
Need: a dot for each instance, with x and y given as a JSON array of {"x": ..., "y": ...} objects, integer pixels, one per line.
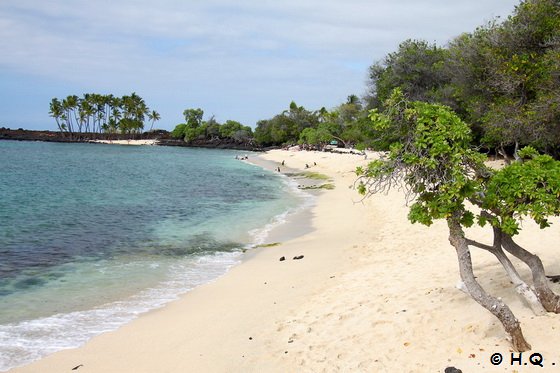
[
  {"x": 433, "y": 158},
  {"x": 530, "y": 188},
  {"x": 315, "y": 176},
  {"x": 229, "y": 128},
  {"x": 315, "y": 136},
  {"x": 194, "y": 133},
  {"x": 179, "y": 131},
  {"x": 417, "y": 68},
  {"x": 129, "y": 125},
  {"x": 193, "y": 117},
  {"x": 198, "y": 129},
  {"x": 286, "y": 127},
  {"x": 502, "y": 78},
  {"x": 95, "y": 113},
  {"x": 505, "y": 80}
]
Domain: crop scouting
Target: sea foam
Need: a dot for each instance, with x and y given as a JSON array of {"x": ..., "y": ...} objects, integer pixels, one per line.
[{"x": 26, "y": 341}]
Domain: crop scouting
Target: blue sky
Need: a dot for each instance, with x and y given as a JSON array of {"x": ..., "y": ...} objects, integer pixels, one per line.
[{"x": 243, "y": 60}]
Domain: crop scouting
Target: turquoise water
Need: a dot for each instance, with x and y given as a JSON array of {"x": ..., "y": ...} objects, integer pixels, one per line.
[{"x": 93, "y": 235}]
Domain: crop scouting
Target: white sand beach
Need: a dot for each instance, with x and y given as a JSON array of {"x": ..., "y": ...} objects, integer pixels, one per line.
[
  {"x": 372, "y": 293},
  {"x": 127, "y": 142}
]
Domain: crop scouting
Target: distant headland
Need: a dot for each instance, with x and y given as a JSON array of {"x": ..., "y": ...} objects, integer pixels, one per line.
[{"x": 161, "y": 137}]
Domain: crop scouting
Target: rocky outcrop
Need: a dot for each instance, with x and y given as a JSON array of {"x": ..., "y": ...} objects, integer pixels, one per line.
[
  {"x": 216, "y": 143},
  {"x": 164, "y": 138},
  {"x": 57, "y": 136}
]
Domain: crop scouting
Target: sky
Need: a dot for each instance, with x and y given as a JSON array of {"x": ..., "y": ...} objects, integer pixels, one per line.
[{"x": 244, "y": 60}]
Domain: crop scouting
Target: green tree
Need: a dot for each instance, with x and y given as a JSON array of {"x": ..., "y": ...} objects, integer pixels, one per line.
[
  {"x": 229, "y": 128},
  {"x": 56, "y": 111},
  {"x": 193, "y": 117},
  {"x": 70, "y": 106},
  {"x": 153, "y": 116},
  {"x": 263, "y": 133},
  {"x": 179, "y": 131},
  {"x": 285, "y": 127},
  {"x": 441, "y": 171},
  {"x": 315, "y": 136},
  {"x": 505, "y": 77},
  {"x": 212, "y": 128},
  {"x": 95, "y": 113},
  {"x": 417, "y": 68}
]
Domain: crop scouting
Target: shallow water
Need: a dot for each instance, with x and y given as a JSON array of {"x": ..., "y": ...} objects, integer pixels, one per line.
[{"x": 93, "y": 235}]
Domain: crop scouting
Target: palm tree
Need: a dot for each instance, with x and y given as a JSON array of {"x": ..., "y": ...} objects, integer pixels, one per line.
[
  {"x": 153, "y": 116},
  {"x": 85, "y": 111},
  {"x": 56, "y": 111},
  {"x": 69, "y": 106}
]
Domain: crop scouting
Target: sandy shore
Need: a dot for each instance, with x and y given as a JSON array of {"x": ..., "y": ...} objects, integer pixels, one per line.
[
  {"x": 372, "y": 293},
  {"x": 127, "y": 142}
]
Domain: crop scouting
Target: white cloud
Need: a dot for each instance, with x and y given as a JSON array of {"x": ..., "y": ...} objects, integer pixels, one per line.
[{"x": 268, "y": 50}]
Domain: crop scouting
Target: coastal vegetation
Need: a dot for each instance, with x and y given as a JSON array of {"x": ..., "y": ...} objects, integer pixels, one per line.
[
  {"x": 346, "y": 124},
  {"x": 445, "y": 176},
  {"x": 502, "y": 79},
  {"x": 434, "y": 109},
  {"x": 195, "y": 128},
  {"x": 94, "y": 114}
]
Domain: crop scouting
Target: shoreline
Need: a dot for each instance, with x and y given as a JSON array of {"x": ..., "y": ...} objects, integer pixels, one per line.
[
  {"x": 371, "y": 293},
  {"x": 297, "y": 222},
  {"x": 253, "y": 259},
  {"x": 130, "y": 142},
  {"x": 291, "y": 217},
  {"x": 157, "y": 137}
]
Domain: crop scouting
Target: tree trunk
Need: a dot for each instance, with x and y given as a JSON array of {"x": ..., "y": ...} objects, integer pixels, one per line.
[
  {"x": 521, "y": 287},
  {"x": 492, "y": 304},
  {"x": 501, "y": 151},
  {"x": 516, "y": 152},
  {"x": 549, "y": 300}
]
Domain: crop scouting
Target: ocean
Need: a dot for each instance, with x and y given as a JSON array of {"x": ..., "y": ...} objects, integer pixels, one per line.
[{"x": 93, "y": 235}]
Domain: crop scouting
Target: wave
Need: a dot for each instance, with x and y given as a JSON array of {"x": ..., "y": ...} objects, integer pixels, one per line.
[
  {"x": 22, "y": 342},
  {"x": 260, "y": 235},
  {"x": 27, "y": 341}
]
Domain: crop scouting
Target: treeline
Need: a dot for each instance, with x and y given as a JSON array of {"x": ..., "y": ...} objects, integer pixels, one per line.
[
  {"x": 503, "y": 79},
  {"x": 347, "y": 124},
  {"x": 95, "y": 114},
  {"x": 197, "y": 129}
]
